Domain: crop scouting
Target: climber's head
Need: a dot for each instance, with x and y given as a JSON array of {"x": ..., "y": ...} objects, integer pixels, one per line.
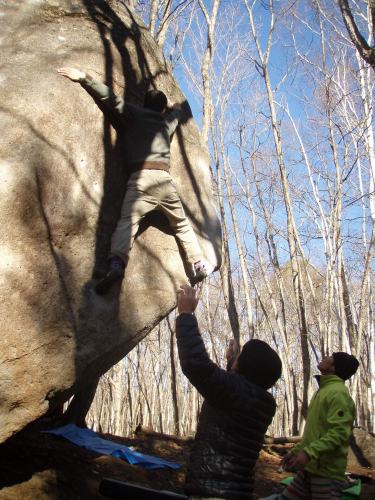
[
  {"x": 155, "y": 100},
  {"x": 259, "y": 363}
]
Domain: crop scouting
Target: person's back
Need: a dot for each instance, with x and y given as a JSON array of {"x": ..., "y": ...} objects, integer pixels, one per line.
[
  {"x": 228, "y": 440},
  {"x": 146, "y": 130},
  {"x": 147, "y": 135}
]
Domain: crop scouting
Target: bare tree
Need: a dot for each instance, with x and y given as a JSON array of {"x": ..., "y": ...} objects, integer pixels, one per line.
[
  {"x": 365, "y": 50},
  {"x": 295, "y": 190},
  {"x": 298, "y": 286},
  {"x": 176, "y": 414}
]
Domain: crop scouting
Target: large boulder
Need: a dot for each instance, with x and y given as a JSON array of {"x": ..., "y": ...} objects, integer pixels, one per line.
[{"x": 62, "y": 182}]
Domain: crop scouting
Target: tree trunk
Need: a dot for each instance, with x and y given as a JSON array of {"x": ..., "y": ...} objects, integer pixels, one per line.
[{"x": 176, "y": 415}]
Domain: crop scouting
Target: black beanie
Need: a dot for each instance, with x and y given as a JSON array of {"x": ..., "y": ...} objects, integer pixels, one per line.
[
  {"x": 345, "y": 364},
  {"x": 259, "y": 363},
  {"x": 155, "y": 100}
]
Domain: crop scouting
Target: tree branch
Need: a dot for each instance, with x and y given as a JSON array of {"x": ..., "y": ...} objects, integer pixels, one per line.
[{"x": 367, "y": 53}]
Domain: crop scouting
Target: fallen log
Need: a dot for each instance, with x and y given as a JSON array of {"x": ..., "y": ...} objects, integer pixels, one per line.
[
  {"x": 146, "y": 432},
  {"x": 281, "y": 439}
]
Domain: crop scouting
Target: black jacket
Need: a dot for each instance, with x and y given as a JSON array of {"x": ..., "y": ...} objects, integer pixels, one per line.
[{"x": 234, "y": 418}]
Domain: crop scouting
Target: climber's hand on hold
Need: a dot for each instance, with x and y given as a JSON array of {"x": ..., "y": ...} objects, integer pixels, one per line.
[
  {"x": 187, "y": 300},
  {"x": 76, "y": 75}
]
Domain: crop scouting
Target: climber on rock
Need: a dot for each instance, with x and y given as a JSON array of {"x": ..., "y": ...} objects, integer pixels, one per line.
[{"x": 147, "y": 139}]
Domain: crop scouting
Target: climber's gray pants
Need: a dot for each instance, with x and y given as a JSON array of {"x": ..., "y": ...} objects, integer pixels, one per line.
[{"x": 149, "y": 190}]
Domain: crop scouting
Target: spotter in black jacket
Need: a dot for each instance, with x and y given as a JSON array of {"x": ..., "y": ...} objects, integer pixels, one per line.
[{"x": 234, "y": 418}]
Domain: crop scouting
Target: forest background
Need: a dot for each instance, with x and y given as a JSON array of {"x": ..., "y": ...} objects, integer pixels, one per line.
[{"x": 285, "y": 104}]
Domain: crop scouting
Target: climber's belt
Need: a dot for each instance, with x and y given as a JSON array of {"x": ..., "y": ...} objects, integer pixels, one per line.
[{"x": 148, "y": 165}]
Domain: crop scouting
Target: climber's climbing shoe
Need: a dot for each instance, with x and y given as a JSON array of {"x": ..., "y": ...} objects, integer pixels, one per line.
[
  {"x": 104, "y": 285},
  {"x": 114, "y": 274},
  {"x": 201, "y": 271}
]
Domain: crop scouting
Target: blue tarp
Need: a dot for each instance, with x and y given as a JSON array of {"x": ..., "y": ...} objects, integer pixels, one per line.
[{"x": 91, "y": 441}]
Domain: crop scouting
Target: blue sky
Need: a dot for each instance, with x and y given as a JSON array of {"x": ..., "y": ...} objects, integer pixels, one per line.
[{"x": 302, "y": 91}]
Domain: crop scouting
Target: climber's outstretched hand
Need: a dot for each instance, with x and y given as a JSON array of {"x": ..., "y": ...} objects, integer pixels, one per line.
[
  {"x": 72, "y": 73},
  {"x": 187, "y": 300}
]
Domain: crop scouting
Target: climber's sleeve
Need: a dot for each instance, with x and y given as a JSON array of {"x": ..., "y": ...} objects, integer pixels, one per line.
[
  {"x": 115, "y": 104},
  {"x": 172, "y": 118}
]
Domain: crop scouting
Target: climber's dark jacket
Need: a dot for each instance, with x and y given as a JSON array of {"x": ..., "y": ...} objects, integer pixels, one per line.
[
  {"x": 147, "y": 138},
  {"x": 234, "y": 418}
]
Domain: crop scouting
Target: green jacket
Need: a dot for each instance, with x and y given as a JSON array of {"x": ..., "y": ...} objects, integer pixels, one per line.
[{"x": 329, "y": 425}]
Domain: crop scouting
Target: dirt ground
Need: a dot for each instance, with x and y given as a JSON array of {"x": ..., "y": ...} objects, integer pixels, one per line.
[{"x": 34, "y": 465}]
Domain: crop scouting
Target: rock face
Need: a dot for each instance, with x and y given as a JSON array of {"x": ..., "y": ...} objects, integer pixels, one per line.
[{"x": 62, "y": 182}]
